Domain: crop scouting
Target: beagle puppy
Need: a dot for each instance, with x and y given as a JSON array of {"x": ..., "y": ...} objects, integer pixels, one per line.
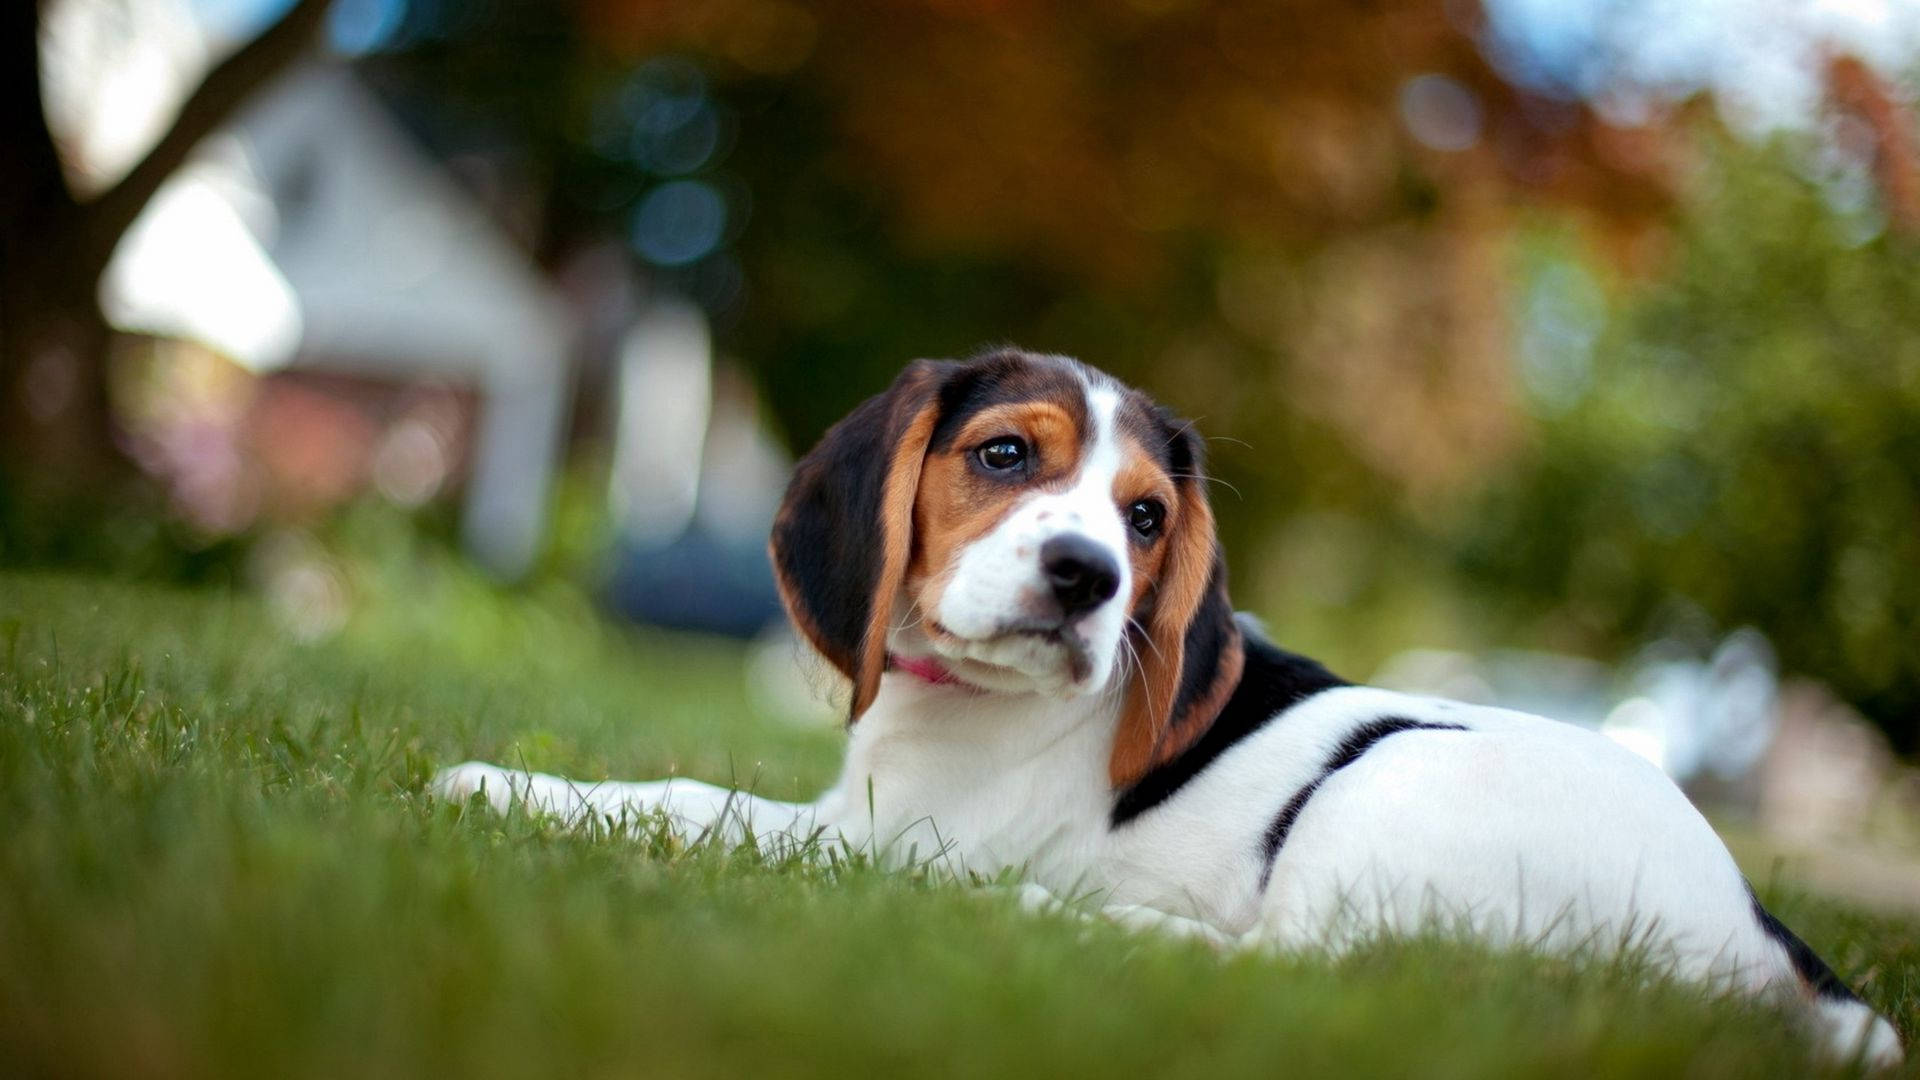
[{"x": 1012, "y": 560}]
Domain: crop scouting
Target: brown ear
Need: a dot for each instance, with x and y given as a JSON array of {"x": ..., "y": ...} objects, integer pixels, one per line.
[
  {"x": 1190, "y": 649},
  {"x": 845, "y": 530}
]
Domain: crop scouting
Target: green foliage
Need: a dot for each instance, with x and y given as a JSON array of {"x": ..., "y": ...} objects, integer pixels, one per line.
[
  {"x": 1748, "y": 443},
  {"x": 219, "y": 860},
  {"x": 121, "y": 525}
]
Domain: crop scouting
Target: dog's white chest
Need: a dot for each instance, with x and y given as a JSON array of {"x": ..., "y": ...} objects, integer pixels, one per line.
[{"x": 986, "y": 785}]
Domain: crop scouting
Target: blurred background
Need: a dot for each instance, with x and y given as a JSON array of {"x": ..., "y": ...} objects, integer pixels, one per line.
[{"x": 1563, "y": 354}]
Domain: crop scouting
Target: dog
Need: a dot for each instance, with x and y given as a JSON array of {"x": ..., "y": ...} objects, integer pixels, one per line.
[{"x": 1012, "y": 560}]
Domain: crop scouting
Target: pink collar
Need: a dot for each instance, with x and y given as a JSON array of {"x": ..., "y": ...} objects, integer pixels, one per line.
[{"x": 924, "y": 668}]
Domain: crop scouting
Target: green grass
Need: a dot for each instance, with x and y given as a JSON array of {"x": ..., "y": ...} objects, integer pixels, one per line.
[{"x": 216, "y": 858}]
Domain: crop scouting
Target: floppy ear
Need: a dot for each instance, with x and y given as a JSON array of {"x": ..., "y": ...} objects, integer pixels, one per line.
[
  {"x": 1192, "y": 655},
  {"x": 844, "y": 532}
]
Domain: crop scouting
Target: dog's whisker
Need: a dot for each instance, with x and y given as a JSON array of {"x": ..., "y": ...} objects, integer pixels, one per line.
[
  {"x": 1151, "y": 644},
  {"x": 1132, "y": 663},
  {"x": 1210, "y": 480},
  {"x": 1185, "y": 427}
]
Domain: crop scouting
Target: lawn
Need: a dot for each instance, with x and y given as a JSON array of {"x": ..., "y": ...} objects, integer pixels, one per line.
[{"x": 217, "y": 858}]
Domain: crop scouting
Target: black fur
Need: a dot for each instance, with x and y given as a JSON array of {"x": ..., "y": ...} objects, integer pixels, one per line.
[
  {"x": 1002, "y": 376},
  {"x": 825, "y": 538},
  {"x": 1812, "y": 970},
  {"x": 1272, "y": 681},
  {"x": 1210, "y": 634},
  {"x": 1357, "y": 742}
]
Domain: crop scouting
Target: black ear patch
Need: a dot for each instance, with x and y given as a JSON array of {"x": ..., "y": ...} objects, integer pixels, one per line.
[
  {"x": 843, "y": 533},
  {"x": 1211, "y": 639}
]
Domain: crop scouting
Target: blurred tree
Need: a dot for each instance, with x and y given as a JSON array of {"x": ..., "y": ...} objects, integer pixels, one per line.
[
  {"x": 1745, "y": 438},
  {"x": 1213, "y": 187},
  {"x": 1306, "y": 195},
  {"x": 1291, "y": 219},
  {"x": 54, "y": 246}
]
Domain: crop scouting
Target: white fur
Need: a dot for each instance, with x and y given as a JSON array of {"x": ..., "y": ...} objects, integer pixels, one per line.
[{"x": 1519, "y": 829}]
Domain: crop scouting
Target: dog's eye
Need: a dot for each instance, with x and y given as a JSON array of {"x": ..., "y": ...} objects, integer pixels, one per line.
[
  {"x": 1003, "y": 453},
  {"x": 1145, "y": 517}
]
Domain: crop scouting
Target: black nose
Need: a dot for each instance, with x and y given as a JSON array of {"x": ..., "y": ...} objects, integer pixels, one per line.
[{"x": 1081, "y": 572}]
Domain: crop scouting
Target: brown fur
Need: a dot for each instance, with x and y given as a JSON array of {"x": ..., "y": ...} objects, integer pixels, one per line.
[
  {"x": 1161, "y": 645},
  {"x": 904, "y": 471},
  {"x": 956, "y": 505},
  {"x": 1186, "y": 725},
  {"x": 1171, "y": 582}
]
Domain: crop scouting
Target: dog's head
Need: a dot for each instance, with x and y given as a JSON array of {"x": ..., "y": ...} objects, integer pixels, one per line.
[{"x": 1029, "y": 525}]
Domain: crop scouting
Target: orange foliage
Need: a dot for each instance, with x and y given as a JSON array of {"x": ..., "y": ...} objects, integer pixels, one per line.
[
  {"x": 1080, "y": 133},
  {"x": 1098, "y": 139},
  {"x": 1860, "y": 93}
]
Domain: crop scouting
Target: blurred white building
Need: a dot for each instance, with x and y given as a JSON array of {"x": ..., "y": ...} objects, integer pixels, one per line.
[{"x": 315, "y": 235}]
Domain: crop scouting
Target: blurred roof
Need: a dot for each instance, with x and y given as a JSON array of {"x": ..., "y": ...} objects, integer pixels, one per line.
[
  {"x": 391, "y": 263},
  {"x": 313, "y": 232}
]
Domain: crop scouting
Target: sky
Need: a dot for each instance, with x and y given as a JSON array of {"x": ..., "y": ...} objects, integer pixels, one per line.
[{"x": 1761, "y": 59}]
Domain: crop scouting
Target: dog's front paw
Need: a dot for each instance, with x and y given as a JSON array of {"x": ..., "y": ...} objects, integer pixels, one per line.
[
  {"x": 1036, "y": 899},
  {"x": 462, "y": 782}
]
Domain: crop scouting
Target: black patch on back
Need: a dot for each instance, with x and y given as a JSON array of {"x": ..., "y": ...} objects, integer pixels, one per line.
[
  {"x": 1272, "y": 681},
  {"x": 1358, "y": 742},
  {"x": 1812, "y": 970}
]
